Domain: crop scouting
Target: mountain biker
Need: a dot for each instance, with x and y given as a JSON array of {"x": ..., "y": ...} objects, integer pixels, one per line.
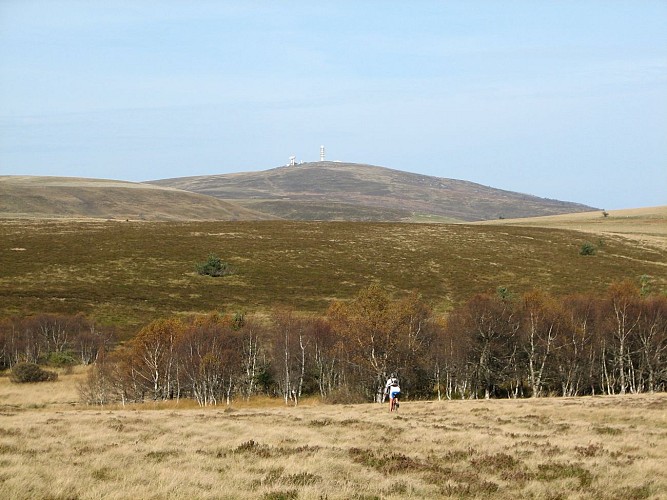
[{"x": 393, "y": 390}]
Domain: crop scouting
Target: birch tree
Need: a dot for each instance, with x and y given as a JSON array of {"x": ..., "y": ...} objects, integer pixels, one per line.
[
  {"x": 379, "y": 334},
  {"x": 490, "y": 325},
  {"x": 575, "y": 356},
  {"x": 154, "y": 348},
  {"x": 541, "y": 322},
  {"x": 622, "y": 314},
  {"x": 652, "y": 335}
]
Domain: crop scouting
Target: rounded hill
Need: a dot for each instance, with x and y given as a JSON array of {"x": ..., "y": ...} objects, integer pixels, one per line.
[{"x": 356, "y": 192}]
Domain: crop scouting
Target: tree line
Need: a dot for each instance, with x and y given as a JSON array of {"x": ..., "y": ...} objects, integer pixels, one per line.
[
  {"x": 53, "y": 339},
  {"x": 494, "y": 345}
]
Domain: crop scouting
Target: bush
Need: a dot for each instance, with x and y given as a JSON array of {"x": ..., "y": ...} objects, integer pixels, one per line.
[
  {"x": 587, "y": 249},
  {"x": 214, "y": 267},
  {"x": 62, "y": 359},
  {"x": 23, "y": 373}
]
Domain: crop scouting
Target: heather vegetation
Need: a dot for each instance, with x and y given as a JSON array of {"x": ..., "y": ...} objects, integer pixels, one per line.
[
  {"x": 461, "y": 312},
  {"x": 126, "y": 274}
]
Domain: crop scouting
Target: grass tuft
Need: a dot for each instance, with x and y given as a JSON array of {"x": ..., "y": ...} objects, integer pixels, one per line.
[
  {"x": 592, "y": 450},
  {"x": 302, "y": 479},
  {"x": 635, "y": 492},
  {"x": 102, "y": 474},
  {"x": 320, "y": 423},
  {"x": 608, "y": 431},
  {"x": 556, "y": 470},
  {"x": 281, "y": 495},
  {"x": 254, "y": 448},
  {"x": 389, "y": 463},
  {"x": 162, "y": 455}
]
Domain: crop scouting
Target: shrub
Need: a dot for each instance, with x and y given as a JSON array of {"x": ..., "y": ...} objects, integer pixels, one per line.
[
  {"x": 214, "y": 266},
  {"x": 23, "y": 373},
  {"x": 587, "y": 249},
  {"x": 62, "y": 359}
]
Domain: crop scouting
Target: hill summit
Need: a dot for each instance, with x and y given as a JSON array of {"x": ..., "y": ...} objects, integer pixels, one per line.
[{"x": 328, "y": 190}]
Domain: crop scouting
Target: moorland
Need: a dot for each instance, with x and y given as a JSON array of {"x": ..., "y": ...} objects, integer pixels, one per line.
[
  {"x": 127, "y": 273},
  {"x": 604, "y": 447}
]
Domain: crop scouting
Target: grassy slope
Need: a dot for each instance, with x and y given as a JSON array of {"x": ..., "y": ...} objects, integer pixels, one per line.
[
  {"x": 74, "y": 197},
  {"x": 648, "y": 225},
  {"x": 611, "y": 447},
  {"x": 333, "y": 191},
  {"x": 127, "y": 273}
]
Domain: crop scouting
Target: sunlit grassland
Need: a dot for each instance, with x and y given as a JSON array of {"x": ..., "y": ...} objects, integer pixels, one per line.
[
  {"x": 590, "y": 447},
  {"x": 127, "y": 273},
  {"x": 645, "y": 226}
]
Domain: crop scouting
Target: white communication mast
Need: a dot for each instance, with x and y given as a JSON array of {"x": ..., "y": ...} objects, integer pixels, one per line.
[
  {"x": 292, "y": 161},
  {"x": 321, "y": 153}
]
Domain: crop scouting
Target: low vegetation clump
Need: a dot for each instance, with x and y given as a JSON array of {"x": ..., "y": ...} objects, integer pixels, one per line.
[
  {"x": 24, "y": 373},
  {"x": 553, "y": 471},
  {"x": 587, "y": 249},
  {"x": 215, "y": 267}
]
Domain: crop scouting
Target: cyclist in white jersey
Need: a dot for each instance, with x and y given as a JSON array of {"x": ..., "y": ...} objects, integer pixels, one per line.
[{"x": 393, "y": 390}]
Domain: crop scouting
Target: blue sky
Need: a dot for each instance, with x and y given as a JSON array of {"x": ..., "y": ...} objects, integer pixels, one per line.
[{"x": 560, "y": 99}]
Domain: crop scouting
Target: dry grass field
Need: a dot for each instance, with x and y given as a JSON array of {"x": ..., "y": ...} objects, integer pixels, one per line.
[
  {"x": 591, "y": 447},
  {"x": 645, "y": 225}
]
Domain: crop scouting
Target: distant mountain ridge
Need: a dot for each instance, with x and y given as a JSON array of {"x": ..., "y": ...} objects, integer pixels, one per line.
[
  {"x": 71, "y": 197},
  {"x": 325, "y": 191},
  {"x": 349, "y": 191}
]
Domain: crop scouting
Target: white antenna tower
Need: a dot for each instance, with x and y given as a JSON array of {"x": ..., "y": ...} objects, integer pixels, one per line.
[
  {"x": 292, "y": 161},
  {"x": 321, "y": 153}
]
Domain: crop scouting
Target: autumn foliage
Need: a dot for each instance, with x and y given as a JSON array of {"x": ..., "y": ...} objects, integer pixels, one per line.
[
  {"x": 47, "y": 338},
  {"x": 493, "y": 345}
]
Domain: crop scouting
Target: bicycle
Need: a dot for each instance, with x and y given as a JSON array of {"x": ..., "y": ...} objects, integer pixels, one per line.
[{"x": 393, "y": 402}]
